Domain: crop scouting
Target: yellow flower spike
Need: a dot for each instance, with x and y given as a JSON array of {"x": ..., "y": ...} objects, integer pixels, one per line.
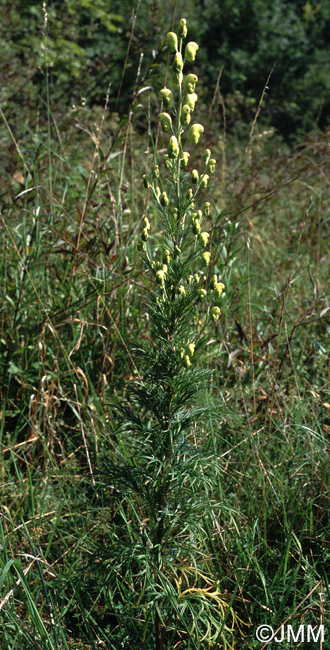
[
  {"x": 215, "y": 313},
  {"x": 160, "y": 278},
  {"x": 194, "y": 176},
  {"x": 178, "y": 62},
  {"x": 185, "y": 115},
  {"x": 166, "y": 122},
  {"x": 167, "y": 97},
  {"x": 171, "y": 40},
  {"x": 146, "y": 181},
  {"x": 206, "y": 209},
  {"x": 173, "y": 149},
  {"x": 190, "y": 51},
  {"x": 205, "y": 180},
  {"x": 211, "y": 165},
  {"x": 191, "y": 99},
  {"x": 163, "y": 199},
  {"x": 206, "y": 258},
  {"x": 190, "y": 83},
  {"x": 186, "y": 361},
  {"x": 218, "y": 288},
  {"x": 204, "y": 238},
  {"x": 195, "y": 133},
  {"x": 191, "y": 349},
  {"x": 182, "y": 29},
  {"x": 202, "y": 293},
  {"x": 146, "y": 223},
  {"x": 145, "y": 234},
  {"x": 185, "y": 158},
  {"x": 182, "y": 290}
]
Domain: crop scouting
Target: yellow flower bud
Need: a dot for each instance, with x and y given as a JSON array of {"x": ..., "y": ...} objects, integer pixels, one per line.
[
  {"x": 167, "y": 97},
  {"x": 202, "y": 293},
  {"x": 165, "y": 268},
  {"x": 171, "y": 40},
  {"x": 218, "y": 288},
  {"x": 145, "y": 234},
  {"x": 190, "y": 194},
  {"x": 166, "y": 122},
  {"x": 205, "y": 180},
  {"x": 173, "y": 149},
  {"x": 190, "y": 51},
  {"x": 155, "y": 171},
  {"x": 190, "y": 83},
  {"x": 194, "y": 176},
  {"x": 191, "y": 349},
  {"x": 185, "y": 158},
  {"x": 167, "y": 161},
  {"x": 163, "y": 199},
  {"x": 195, "y": 132},
  {"x": 181, "y": 353},
  {"x": 182, "y": 29},
  {"x": 206, "y": 258},
  {"x": 182, "y": 290},
  {"x": 206, "y": 209},
  {"x": 197, "y": 278},
  {"x": 213, "y": 281},
  {"x": 146, "y": 223},
  {"x": 190, "y": 279},
  {"x": 160, "y": 278},
  {"x": 185, "y": 115},
  {"x": 146, "y": 181},
  {"x": 211, "y": 165},
  {"x": 177, "y": 250},
  {"x": 191, "y": 99},
  {"x": 177, "y": 62},
  {"x": 215, "y": 313},
  {"x": 186, "y": 361},
  {"x": 204, "y": 238}
]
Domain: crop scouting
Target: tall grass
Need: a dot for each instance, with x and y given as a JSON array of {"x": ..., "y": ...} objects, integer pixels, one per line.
[{"x": 74, "y": 312}]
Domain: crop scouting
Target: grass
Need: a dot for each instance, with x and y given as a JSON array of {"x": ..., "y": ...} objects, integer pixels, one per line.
[{"x": 73, "y": 307}]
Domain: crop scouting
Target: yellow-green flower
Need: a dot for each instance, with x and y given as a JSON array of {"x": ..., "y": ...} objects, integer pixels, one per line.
[
  {"x": 185, "y": 158},
  {"x": 204, "y": 238},
  {"x": 206, "y": 258},
  {"x": 178, "y": 62},
  {"x": 146, "y": 181},
  {"x": 194, "y": 176},
  {"x": 202, "y": 293},
  {"x": 190, "y": 51},
  {"x": 160, "y": 277},
  {"x": 171, "y": 40},
  {"x": 191, "y": 99},
  {"x": 145, "y": 234},
  {"x": 185, "y": 115},
  {"x": 211, "y": 165},
  {"x": 167, "y": 161},
  {"x": 213, "y": 281},
  {"x": 215, "y": 313},
  {"x": 196, "y": 227},
  {"x": 182, "y": 290},
  {"x": 186, "y": 361},
  {"x": 190, "y": 83},
  {"x": 155, "y": 171},
  {"x": 166, "y": 122},
  {"x": 167, "y": 256},
  {"x": 195, "y": 133},
  {"x": 204, "y": 180},
  {"x": 191, "y": 349},
  {"x": 218, "y": 288},
  {"x": 207, "y": 155},
  {"x": 182, "y": 29},
  {"x": 163, "y": 199},
  {"x": 146, "y": 223},
  {"x": 197, "y": 278},
  {"x": 167, "y": 97},
  {"x": 173, "y": 148},
  {"x": 206, "y": 209}
]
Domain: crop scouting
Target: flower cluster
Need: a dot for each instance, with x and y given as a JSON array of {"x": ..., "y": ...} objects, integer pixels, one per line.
[{"x": 177, "y": 191}]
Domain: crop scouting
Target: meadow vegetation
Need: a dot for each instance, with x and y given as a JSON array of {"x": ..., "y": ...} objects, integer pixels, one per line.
[{"x": 164, "y": 346}]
